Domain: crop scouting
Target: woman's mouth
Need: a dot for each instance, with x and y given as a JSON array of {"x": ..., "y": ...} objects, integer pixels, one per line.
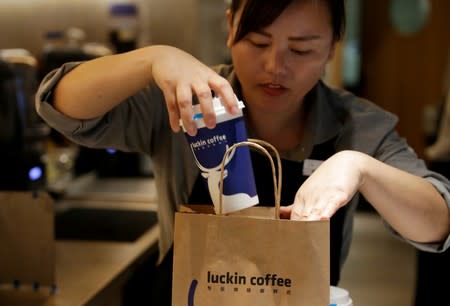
[{"x": 273, "y": 89}]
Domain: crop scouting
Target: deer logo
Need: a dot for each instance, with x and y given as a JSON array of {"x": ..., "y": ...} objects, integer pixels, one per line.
[
  {"x": 212, "y": 175},
  {"x": 231, "y": 202}
]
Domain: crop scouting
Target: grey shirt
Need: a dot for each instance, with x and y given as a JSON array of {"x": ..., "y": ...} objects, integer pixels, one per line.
[{"x": 141, "y": 124}]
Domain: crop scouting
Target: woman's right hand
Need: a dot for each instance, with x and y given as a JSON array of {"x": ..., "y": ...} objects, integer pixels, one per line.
[{"x": 180, "y": 76}]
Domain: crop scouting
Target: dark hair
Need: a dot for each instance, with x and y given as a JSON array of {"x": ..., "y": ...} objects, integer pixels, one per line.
[{"x": 258, "y": 14}]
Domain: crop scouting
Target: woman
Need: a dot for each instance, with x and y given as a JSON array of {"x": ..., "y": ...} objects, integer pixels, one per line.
[{"x": 279, "y": 51}]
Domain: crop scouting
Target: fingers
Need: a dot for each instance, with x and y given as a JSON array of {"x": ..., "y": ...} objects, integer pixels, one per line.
[
  {"x": 179, "y": 101},
  {"x": 311, "y": 213},
  {"x": 328, "y": 211},
  {"x": 172, "y": 108},
  {"x": 285, "y": 212},
  {"x": 299, "y": 212},
  {"x": 180, "y": 107},
  {"x": 314, "y": 211},
  {"x": 319, "y": 209},
  {"x": 204, "y": 97},
  {"x": 186, "y": 113},
  {"x": 223, "y": 89},
  {"x": 318, "y": 212}
]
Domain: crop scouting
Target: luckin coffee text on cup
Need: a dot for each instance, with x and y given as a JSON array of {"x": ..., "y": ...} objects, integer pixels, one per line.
[{"x": 216, "y": 139}]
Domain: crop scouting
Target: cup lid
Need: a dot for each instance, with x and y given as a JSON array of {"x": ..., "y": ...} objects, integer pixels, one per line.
[
  {"x": 339, "y": 296},
  {"x": 219, "y": 109}
]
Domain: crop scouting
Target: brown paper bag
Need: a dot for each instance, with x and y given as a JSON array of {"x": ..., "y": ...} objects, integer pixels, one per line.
[{"x": 249, "y": 258}]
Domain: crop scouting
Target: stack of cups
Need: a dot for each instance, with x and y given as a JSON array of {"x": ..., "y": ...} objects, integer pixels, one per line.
[
  {"x": 339, "y": 297},
  {"x": 209, "y": 146}
]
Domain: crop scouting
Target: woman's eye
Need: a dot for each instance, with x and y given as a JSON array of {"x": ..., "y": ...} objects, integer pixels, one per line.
[
  {"x": 258, "y": 44},
  {"x": 301, "y": 52}
]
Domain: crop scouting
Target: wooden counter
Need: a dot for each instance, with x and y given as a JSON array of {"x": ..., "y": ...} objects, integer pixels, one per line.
[
  {"x": 93, "y": 273},
  {"x": 87, "y": 273}
]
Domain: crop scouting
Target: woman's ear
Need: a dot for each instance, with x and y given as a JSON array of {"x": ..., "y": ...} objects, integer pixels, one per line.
[{"x": 332, "y": 50}]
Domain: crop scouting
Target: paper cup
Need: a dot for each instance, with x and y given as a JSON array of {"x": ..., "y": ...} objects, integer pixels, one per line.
[
  {"x": 209, "y": 146},
  {"x": 339, "y": 297}
]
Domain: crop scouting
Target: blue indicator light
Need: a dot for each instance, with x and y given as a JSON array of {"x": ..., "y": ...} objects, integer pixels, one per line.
[
  {"x": 35, "y": 173},
  {"x": 111, "y": 151}
]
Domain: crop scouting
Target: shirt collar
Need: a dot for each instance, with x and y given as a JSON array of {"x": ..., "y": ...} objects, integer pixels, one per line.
[{"x": 322, "y": 123}]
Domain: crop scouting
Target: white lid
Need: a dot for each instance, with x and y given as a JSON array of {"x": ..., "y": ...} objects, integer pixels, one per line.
[
  {"x": 339, "y": 296},
  {"x": 219, "y": 109}
]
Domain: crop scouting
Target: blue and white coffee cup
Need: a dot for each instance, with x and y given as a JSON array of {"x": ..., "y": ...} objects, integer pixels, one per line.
[{"x": 209, "y": 146}]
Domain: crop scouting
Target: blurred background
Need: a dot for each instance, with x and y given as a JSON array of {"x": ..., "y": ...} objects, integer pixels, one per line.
[{"x": 395, "y": 53}]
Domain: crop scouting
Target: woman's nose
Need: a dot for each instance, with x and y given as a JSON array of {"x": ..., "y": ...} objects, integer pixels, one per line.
[{"x": 275, "y": 61}]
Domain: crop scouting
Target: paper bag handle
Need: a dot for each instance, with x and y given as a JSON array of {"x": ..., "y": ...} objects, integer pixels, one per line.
[{"x": 260, "y": 145}]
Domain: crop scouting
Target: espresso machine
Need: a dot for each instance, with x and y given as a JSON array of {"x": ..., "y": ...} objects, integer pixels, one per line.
[
  {"x": 70, "y": 46},
  {"x": 22, "y": 132}
]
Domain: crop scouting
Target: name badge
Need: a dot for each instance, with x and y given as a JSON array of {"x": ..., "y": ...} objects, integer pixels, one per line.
[{"x": 309, "y": 165}]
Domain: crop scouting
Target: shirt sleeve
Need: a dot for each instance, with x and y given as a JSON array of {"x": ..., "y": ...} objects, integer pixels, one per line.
[
  {"x": 44, "y": 107},
  {"x": 443, "y": 189},
  {"x": 133, "y": 125},
  {"x": 395, "y": 152}
]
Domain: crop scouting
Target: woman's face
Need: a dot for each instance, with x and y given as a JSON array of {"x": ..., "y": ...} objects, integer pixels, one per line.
[{"x": 278, "y": 65}]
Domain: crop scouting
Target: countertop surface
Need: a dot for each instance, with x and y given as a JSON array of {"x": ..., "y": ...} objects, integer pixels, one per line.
[
  {"x": 87, "y": 270},
  {"x": 83, "y": 270}
]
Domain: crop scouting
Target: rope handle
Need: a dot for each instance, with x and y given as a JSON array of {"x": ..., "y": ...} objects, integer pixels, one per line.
[{"x": 262, "y": 146}]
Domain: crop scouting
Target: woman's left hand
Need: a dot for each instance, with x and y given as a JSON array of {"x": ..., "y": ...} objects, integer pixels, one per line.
[{"x": 331, "y": 186}]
